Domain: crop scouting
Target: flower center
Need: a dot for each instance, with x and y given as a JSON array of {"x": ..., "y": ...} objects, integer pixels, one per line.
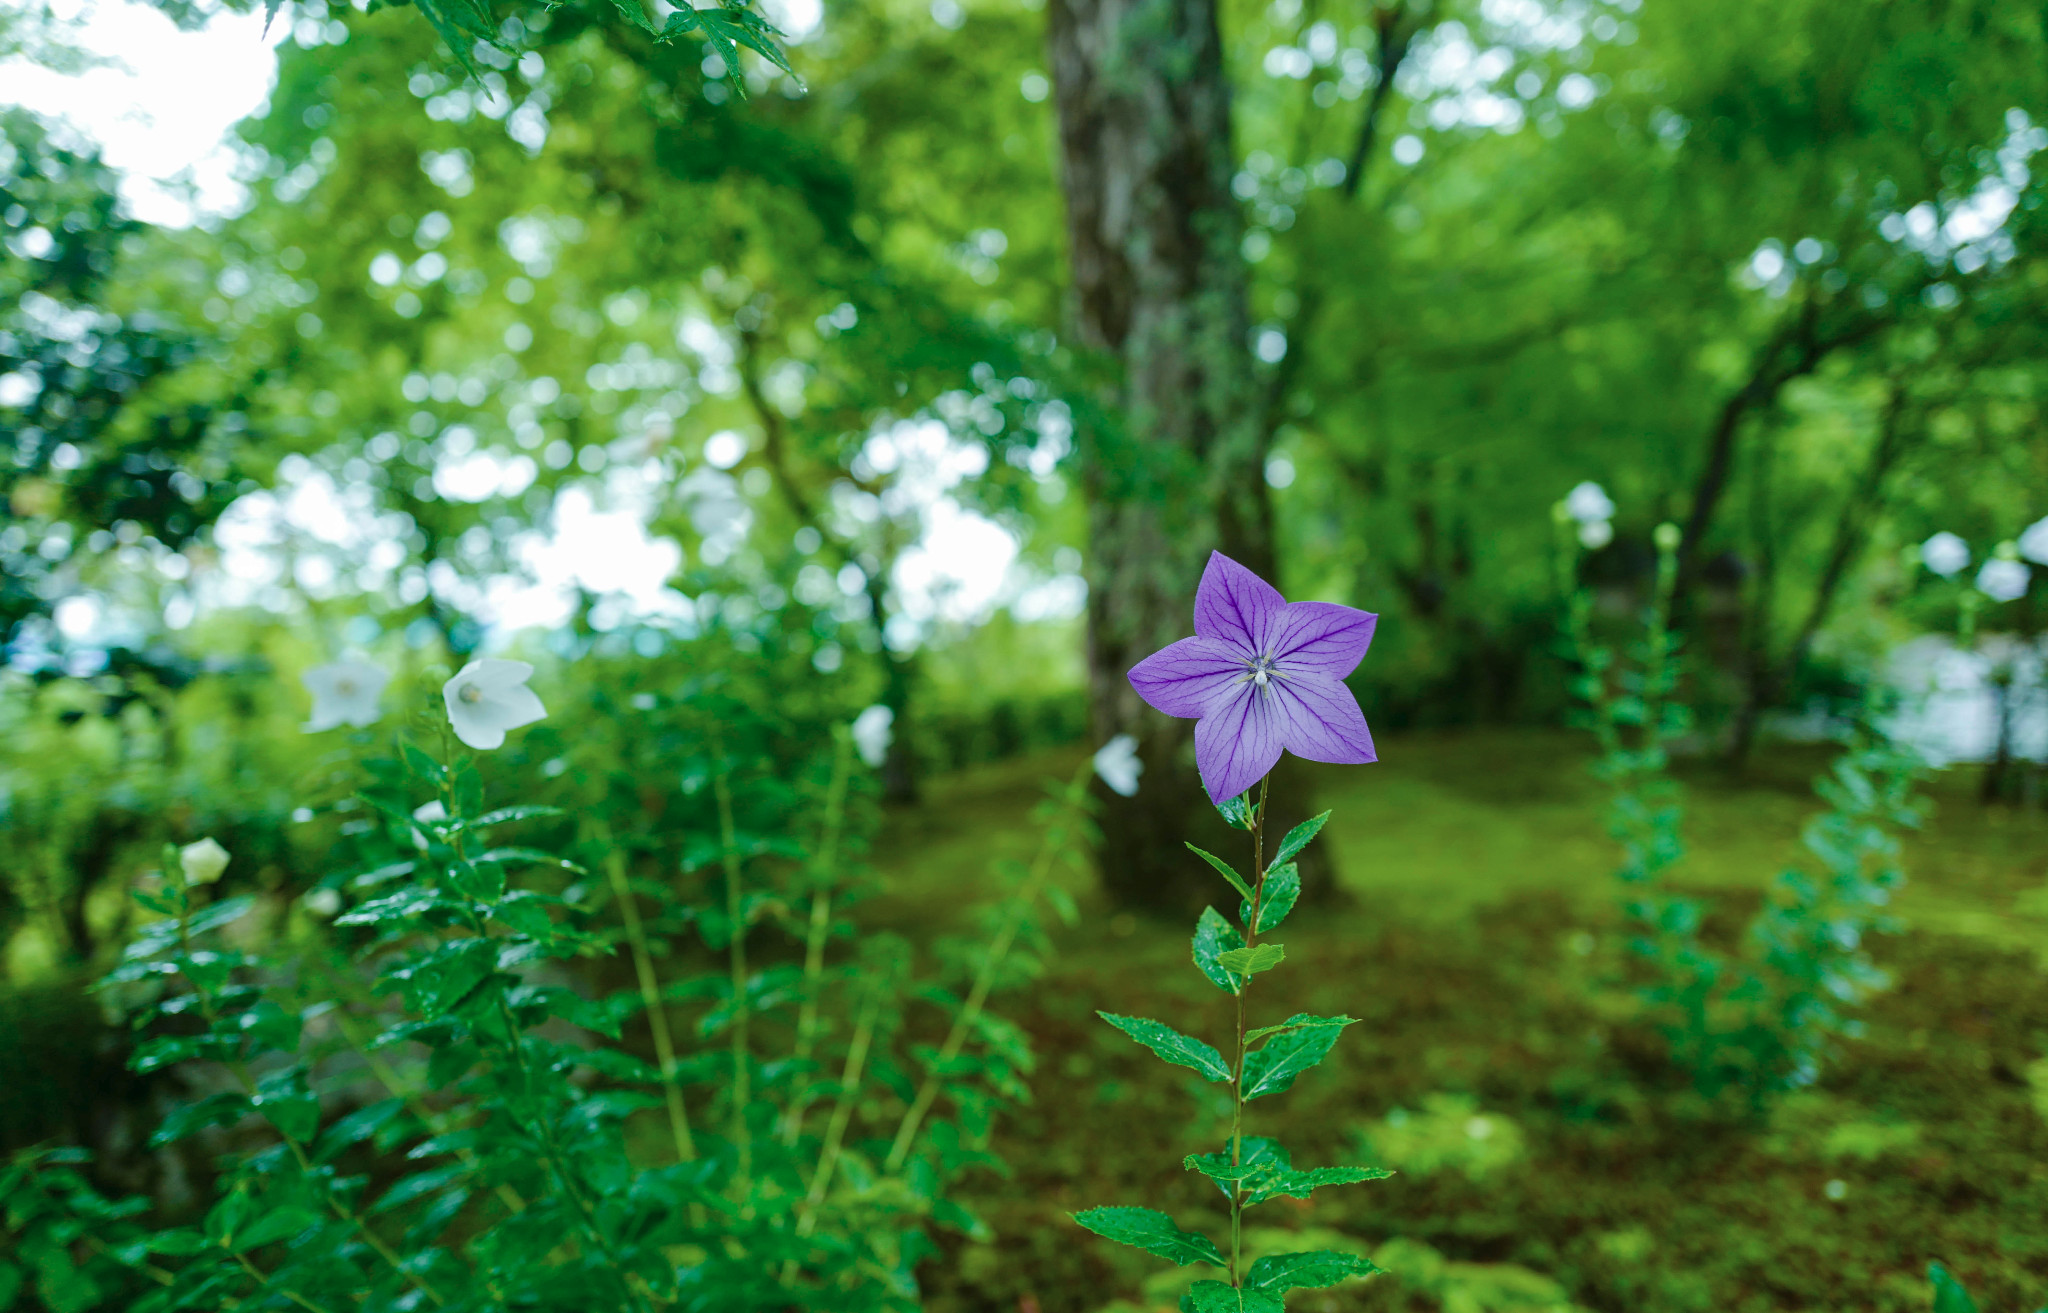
[
  {"x": 471, "y": 693},
  {"x": 1261, "y": 669},
  {"x": 345, "y": 687}
]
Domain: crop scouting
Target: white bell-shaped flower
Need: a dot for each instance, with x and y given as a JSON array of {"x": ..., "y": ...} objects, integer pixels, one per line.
[
  {"x": 1117, "y": 763},
  {"x": 2033, "y": 543},
  {"x": 873, "y": 732},
  {"x": 488, "y": 697},
  {"x": 345, "y": 692},
  {"x": 1945, "y": 554},
  {"x": 1589, "y": 503},
  {"x": 2002, "y": 580},
  {"x": 203, "y": 862}
]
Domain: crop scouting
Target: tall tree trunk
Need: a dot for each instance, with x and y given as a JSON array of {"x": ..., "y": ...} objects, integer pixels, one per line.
[
  {"x": 1896, "y": 434},
  {"x": 1174, "y": 464}
]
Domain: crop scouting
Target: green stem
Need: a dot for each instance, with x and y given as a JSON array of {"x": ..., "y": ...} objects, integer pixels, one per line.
[
  {"x": 650, "y": 997},
  {"x": 822, "y": 872},
  {"x": 1251, "y": 935},
  {"x": 842, "y": 1108},
  {"x": 985, "y": 978},
  {"x": 263, "y": 1280},
  {"x": 742, "y": 1013}
]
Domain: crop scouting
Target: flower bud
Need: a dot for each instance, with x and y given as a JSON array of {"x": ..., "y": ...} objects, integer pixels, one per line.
[
  {"x": 1666, "y": 536},
  {"x": 322, "y": 903},
  {"x": 202, "y": 862}
]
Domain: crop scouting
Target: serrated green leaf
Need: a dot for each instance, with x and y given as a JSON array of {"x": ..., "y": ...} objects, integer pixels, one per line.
[
  {"x": 482, "y": 884},
  {"x": 1152, "y": 1231},
  {"x": 1236, "y": 813},
  {"x": 278, "y": 1224},
  {"x": 220, "y": 1109},
  {"x": 1251, "y": 961},
  {"x": 1216, "y": 1297},
  {"x": 294, "y": 1113},
  {"x": 228, "y": 1216},
  {"x": 523, "y": 812},
  {"x": 1305, "y": 1041},
  {"x": 1264, "y": 1172},
  {"x": 422, "y": 765},
  {"x": 1312, "y": 1270},
  {"x": 419, "y": 1185},
  {"x": 1214, "y": 937},
  {"x": 1298, "y": 838},
  {"x": 635, "y": 14},
  {"x": 1224, "y": 869},
  {"x": 180, "y": 1243},
  {"x": 222, "y": 913},
  {"x": 358, "y": 1126},
  {"x": 1276, "y": 897},
  {"x": 1171, "y": 1045},
  {"x": 1258, "y": 1156},
  {"x": 529, "y": 856},
  {"x": 1300, "y": 1184}
]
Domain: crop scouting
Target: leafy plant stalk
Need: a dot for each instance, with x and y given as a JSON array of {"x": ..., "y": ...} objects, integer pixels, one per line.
[
  {"x": 742, "y": 1007},
  {"x": 1019, "y": 906},
  {"x": 650, "y": 996},
  {"x": 823, "y": 870}
]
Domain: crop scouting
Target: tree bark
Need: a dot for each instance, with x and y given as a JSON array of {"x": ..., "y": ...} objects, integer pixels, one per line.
[
  {"x": 1768, "y": 680},
  {"x": 1173, "y": 464}
]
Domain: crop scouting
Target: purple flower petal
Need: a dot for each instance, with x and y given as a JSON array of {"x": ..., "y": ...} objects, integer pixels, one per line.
[
  {"x": 1318, "y": 719},
  {"x": 1322, "y": 638},
  {"x": 1237, "y": 742},
  {"x": 1235, "y": 606},
  {"x": 1189, "y": 677}
]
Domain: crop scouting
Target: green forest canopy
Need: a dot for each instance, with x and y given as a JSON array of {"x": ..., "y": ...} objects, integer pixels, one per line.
[{"x": 1769, "y": 272}]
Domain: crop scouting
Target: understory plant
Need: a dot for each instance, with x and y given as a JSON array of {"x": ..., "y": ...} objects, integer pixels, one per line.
[
  {"x": 1263, "y": 676},
  {"x": 1763, "y": 1018},
  {"x": 477, "y": 1069}
]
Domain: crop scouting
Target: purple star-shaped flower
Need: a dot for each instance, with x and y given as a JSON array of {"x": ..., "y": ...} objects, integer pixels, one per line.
[{"x": 1264, "y": 675}]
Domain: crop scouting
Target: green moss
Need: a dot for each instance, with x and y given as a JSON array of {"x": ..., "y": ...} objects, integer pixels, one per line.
[{"x": 1477, "y": 869}]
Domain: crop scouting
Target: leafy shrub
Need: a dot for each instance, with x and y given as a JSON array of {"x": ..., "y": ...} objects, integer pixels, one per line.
[
  {"x": 1766, "y": 1020},
  {"x": 414, "y": 1105}
]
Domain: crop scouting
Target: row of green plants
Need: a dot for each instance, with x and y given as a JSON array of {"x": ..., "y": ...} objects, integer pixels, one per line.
[
  {"x": 1747, "y": 1025},
  {"x": 1764, "y": 1018}
]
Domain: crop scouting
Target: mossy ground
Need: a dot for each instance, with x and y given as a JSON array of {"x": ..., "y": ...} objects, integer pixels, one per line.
[{"x": 1551, "y": 1158}]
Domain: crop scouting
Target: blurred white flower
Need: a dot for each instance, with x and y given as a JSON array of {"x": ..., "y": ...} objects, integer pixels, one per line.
[
  {"x": 1595, "y": 534},
  {"x": 1945, "y": 554},
  {"x": 1117, "y": 763},
  {"x": 345, "y": 692},
  {"x": 2002, "y": 580},
  {"x": 1588, "y": 503},
  {"x": 2033, "y": 542},
  {"x": 488, "y": 697},
  {"x": 203, "y": 861},
  {"x": 872, "y": 733},
  {"x": 323, "y": 903},
  {"x": 432, "y": 812}
]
